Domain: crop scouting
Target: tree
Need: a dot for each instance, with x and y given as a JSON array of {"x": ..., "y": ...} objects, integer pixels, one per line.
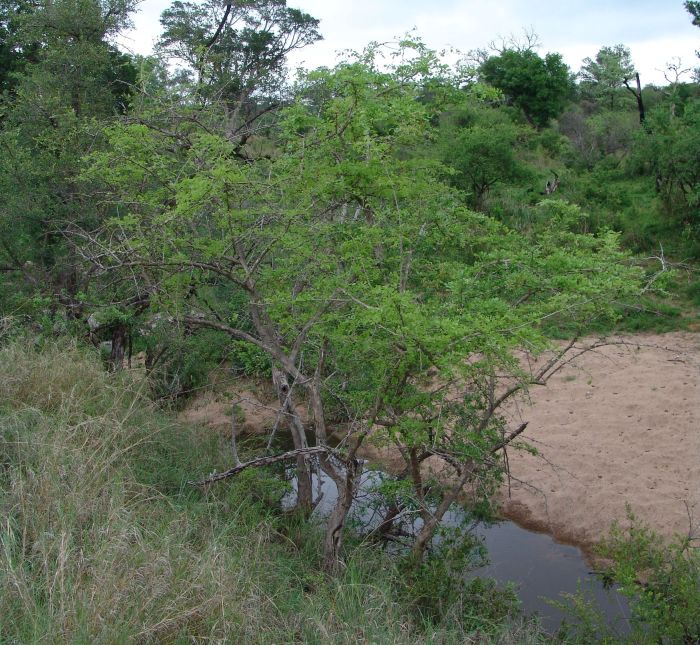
[
  {"x": 237, "y": 52},
  {"x": 670, "y": 147},
  {"x": 610, "y": 70},
  {"x": 13, "y": 53},
  {"x": 693, "y": 8},
  {"x": 479, "y": 146},
  {"x": 363, "y": 278},
  {"x": 541, "y": 87},
  {"x": 73, "y": 80}
]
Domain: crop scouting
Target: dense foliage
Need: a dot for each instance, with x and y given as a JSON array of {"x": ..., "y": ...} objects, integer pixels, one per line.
[
  {"x": 389, "y": 247},
  {"x": 541, "y": 87}
]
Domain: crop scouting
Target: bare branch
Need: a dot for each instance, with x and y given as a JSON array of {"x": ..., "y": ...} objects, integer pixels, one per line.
[
  {"x": 231, "y": 331},
  {"x": 268, "y": 461}
]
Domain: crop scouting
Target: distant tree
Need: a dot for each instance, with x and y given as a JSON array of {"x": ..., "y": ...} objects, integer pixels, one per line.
[
  {"x": 607, "y": 73},
  {"x": 693, "y": 8},
  {"x": 479, "y": 145},
  {"x": 236, "y": 52},
  {"x": 541, "y": 87},
  {"x": 526, "y": 41},
  {"x": 671, "y": 148}
]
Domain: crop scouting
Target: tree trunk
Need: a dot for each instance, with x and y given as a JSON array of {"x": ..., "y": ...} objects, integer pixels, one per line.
[
  {"x": 386, "y": 526},
  {"x": 119, "y": 340},
  {"x": 298, "y": 434},
  {"x": 425, "y": 535},
  {"x": 637, "y": 95},
  {"x": 346, "y": 483},
  {"x": 640, "y": 102},
  {"x": 344, "y": 478}
]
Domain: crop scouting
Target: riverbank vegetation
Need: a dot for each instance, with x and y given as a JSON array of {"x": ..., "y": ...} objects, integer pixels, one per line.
[
  {"x": 103, "y": 539},
  {"x": 393, "y": 242}
]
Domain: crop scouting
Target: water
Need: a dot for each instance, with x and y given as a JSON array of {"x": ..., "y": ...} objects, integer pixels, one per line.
[{"x": 540, "y": 568}]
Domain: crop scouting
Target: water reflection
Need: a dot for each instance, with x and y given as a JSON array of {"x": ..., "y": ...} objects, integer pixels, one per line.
[{"x": 540, "y": 568}]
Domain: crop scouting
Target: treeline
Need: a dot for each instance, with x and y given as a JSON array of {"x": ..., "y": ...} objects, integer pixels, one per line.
[{"x": 381, "y": 239}]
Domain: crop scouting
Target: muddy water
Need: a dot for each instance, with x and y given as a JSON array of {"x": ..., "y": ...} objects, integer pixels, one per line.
[{"x": 541, "y": 568}]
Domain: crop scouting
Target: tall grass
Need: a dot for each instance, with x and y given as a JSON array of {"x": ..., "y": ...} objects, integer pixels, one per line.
[{"x": 102, "y": 540}]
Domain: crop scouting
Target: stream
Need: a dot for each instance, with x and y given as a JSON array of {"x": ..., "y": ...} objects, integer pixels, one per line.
[{"x": 541, "y": 568}]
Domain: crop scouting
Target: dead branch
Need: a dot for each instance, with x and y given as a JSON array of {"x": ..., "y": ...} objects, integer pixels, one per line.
[{"x": 269, "y": 460}]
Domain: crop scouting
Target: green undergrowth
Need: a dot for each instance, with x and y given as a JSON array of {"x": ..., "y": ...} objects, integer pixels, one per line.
[
  {"x": 649, "y": 315},
  {"x": 671, "y": 299},
  {"x": 676, "y": 307},
  {"x": 661, "y": 580},
  {"x": 102, "y": 539}
]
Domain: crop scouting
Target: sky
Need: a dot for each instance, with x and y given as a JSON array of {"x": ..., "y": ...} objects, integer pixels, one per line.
[{"x": 656, "y": 31}]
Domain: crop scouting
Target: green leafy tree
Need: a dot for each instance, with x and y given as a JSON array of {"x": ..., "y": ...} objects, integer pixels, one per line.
[
  {"x": 236, "y": 52},
  {"x": 670, "y": 148},
  {"x": 363, "y": 278},
  {"x": 693, "y": 8},
  {"x": 541, "y": 87},
  {"x": 603, "y": 76},
  {"x": 479, "y": 145},
  {"x": 13, "y": 53},
  {"x": 75, "y": 63},
  {"x": 74, "y": 80}
]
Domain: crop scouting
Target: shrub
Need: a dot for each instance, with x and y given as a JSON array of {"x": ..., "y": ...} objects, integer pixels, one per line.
[{"x": 661, "y": 580}]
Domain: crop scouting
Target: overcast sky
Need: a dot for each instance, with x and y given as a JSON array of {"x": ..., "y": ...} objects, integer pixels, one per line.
[{"x": 656, "y": 31}]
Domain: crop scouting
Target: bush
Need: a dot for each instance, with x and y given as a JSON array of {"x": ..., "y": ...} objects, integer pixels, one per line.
[{"x": 661, "y": 580}]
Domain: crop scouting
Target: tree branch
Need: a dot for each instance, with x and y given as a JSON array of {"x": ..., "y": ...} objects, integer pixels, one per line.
[
  {"x": 220, "y": 28},
  {"x": 507, "y": 440},
  {"x": 231, "y": 331},
  {"x": 267, "y": 461}
]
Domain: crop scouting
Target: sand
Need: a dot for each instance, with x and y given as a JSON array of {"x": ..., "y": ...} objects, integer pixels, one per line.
[
  {"x": 257, "y": 407},
  {"x": 620, "y": 427}
]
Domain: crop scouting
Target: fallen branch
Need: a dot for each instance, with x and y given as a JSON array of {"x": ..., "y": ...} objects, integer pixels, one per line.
[{"x": 267, "y": 461}]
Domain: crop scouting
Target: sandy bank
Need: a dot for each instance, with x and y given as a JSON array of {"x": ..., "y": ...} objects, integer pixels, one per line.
[{"x": 621, "y": 426}]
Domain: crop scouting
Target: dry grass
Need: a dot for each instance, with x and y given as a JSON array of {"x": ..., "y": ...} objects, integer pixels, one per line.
[
  {"x": 101, "y": 540},
  {"x": 87, "y": 552}
]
